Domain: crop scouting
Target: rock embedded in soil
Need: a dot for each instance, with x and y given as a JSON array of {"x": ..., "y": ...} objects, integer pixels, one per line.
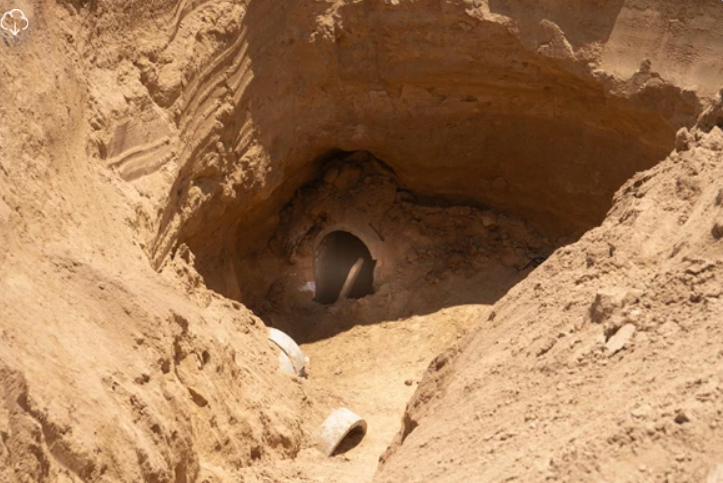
[{"x": 620, "y": 339}]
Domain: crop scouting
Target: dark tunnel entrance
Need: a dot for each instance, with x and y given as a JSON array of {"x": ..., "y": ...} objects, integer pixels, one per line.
[{"x": 344, "y": 268}]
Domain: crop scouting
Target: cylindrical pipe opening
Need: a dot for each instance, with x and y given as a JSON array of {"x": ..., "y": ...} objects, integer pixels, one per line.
[{"x": 344, "y": 268}]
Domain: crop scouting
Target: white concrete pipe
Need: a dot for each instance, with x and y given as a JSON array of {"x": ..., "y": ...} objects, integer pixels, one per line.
[
  {"x": 336, "y": 427},
  {"x": 291, "y": 350},
  {"x": 285, "y": 364}
]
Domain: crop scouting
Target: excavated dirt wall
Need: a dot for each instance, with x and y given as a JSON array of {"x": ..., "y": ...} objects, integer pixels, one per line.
[
  {"x": 149, "y": 149},
  {"x": 255, "y": 122},
  {"x": 626, "y": 380}
]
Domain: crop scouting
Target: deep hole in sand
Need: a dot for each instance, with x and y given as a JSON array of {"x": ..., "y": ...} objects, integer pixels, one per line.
[
  {"x": 432, "y": 267},
  {"x": 445, "y": 223},
  {"x": 418, "y": 256}
]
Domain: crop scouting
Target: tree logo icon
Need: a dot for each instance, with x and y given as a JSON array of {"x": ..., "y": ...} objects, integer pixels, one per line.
[{"x": 14, "y": 22}]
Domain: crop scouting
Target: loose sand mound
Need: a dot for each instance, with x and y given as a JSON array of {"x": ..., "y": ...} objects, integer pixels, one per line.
[
  {"x": 177, "y": 175},
  {"x": 624, "y": 381}
]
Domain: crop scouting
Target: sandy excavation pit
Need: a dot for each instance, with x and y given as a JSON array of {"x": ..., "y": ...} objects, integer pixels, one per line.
[
  {"x": 429, "y": 272},
  {"x": 416, "y": 259},
  {"x": 186, "y": 174}
]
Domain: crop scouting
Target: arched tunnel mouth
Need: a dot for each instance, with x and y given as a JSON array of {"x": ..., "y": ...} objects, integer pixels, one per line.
[{"x": 343, "y": 268}]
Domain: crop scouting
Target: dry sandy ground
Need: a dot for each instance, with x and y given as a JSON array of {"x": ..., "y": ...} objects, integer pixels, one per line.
[
  {"x": 625, "y": 382},
  {"x": 373, "y": 370},
  {"x": 165, "y": 167}
]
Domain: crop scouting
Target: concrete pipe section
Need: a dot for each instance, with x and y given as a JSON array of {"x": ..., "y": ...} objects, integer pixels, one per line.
[
  {"x": 285, "y": 365},
  {"x": 291, "y": 359},
  {"x": 337, "y": 427}
]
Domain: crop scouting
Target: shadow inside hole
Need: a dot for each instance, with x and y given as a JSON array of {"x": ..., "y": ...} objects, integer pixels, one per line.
[
  {"x": 351, "y": 441},
  {"x": 335, "y": 257}
]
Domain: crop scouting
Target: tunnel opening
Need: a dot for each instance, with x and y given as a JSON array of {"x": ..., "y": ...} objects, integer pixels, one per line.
[
  {"x": 344, "y": 268},
  {"x": 355, "y": 247}
]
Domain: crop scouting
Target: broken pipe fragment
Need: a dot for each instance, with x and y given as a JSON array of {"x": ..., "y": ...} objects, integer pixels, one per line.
[
  {"x": 337, "y": 427},
  {"x": 291, "y": 358}
]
